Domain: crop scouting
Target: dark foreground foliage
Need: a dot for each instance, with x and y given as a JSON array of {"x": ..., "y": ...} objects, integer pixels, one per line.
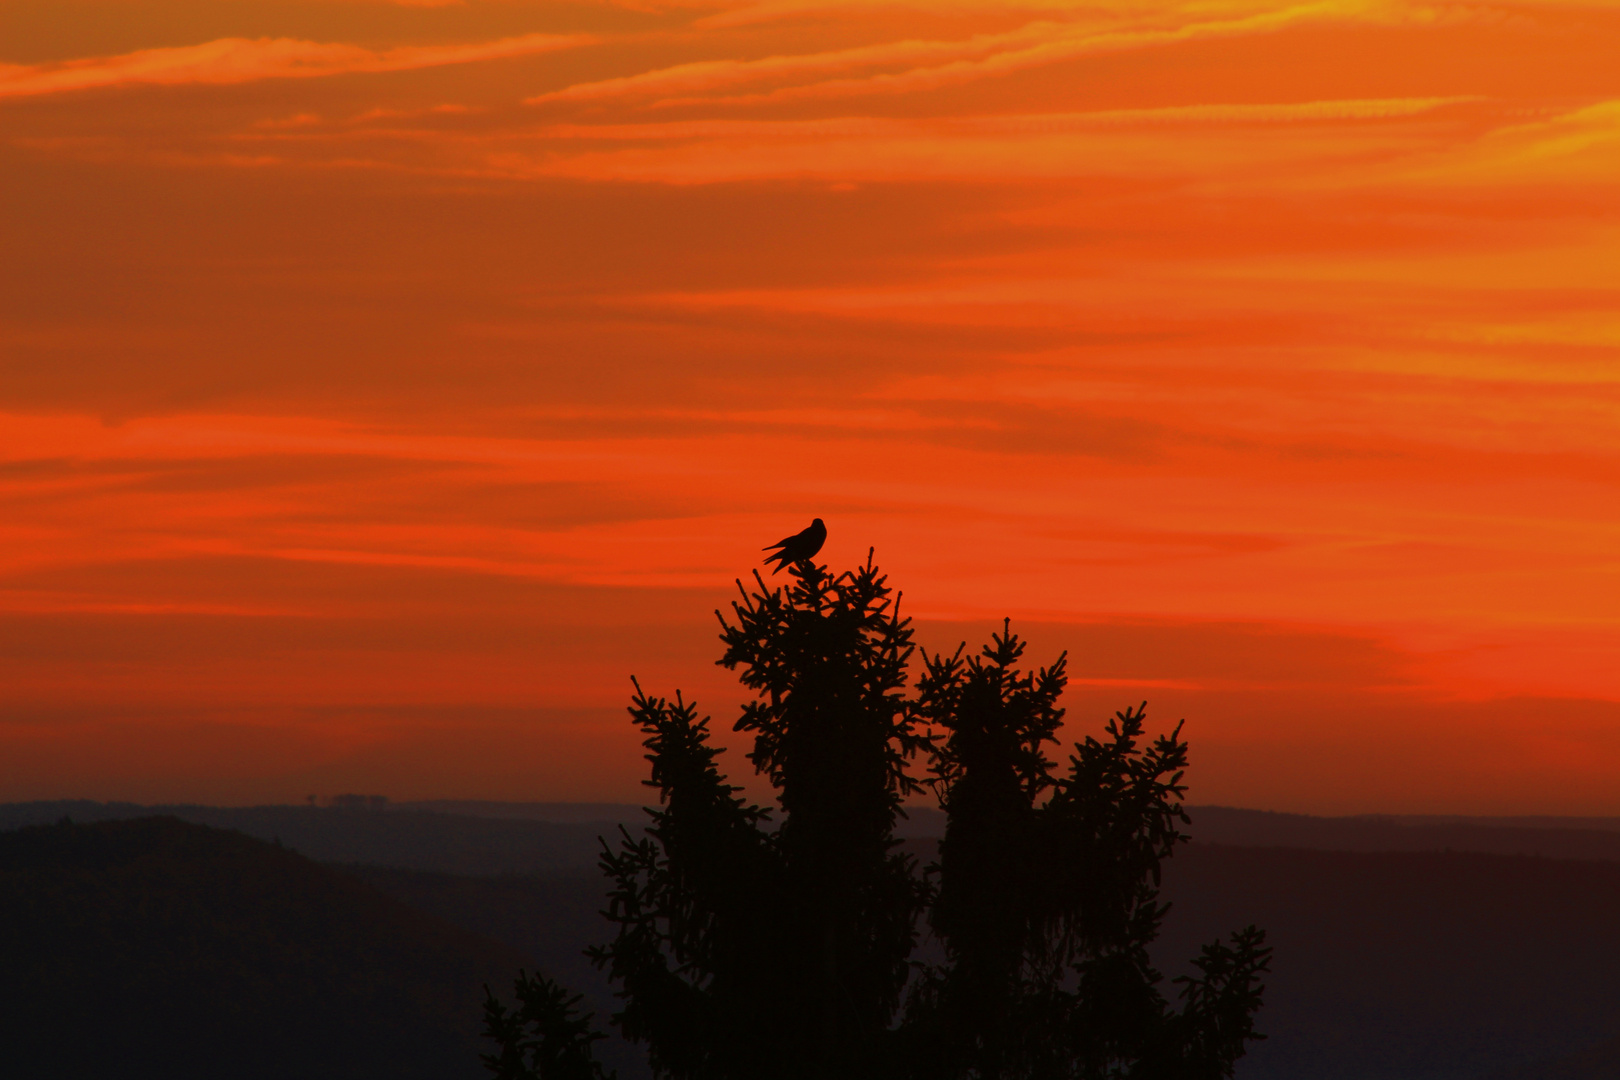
[
  {"x": 751, "y": 947},
  {"x": 544, "y": 1036}
]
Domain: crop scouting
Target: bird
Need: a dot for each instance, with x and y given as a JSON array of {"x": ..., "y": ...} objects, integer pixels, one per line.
[{"x": 800, "y": 547}]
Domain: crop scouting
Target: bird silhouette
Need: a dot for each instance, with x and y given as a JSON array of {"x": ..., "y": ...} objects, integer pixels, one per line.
[{"x": 799, "y": 547}]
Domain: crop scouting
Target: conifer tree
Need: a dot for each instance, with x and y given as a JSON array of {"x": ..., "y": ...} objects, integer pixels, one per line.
[
  {"x": 543, "y": 1037},
  {"x": 777, "y": 942},
  {"x": 747, "y": 951},
  {"x": 1048, "y": 893}
]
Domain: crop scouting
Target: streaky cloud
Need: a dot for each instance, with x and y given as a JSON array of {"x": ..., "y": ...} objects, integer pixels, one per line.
[
  {"x": 240, "y": 60},
  {"x": 937, "y": 64}
]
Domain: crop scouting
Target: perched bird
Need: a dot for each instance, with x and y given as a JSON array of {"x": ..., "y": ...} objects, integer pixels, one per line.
[{"x": 799, "y": 547}]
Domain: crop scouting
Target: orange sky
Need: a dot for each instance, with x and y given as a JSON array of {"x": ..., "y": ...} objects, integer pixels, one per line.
[{"x": 383, "y": 383}]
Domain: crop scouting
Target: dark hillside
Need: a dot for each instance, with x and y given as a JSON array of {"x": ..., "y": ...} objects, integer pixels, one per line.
[
  {"x": 551, "y": 920},
  {"x": 1416, "y": 966},
  {"x": 419, "y": 839},
  {"x": 1551, "y": 837},
  {"x": 156, "y": 948},
  {"x": 1600, "y": 1062},
  {"x": 557, "y": 839}
]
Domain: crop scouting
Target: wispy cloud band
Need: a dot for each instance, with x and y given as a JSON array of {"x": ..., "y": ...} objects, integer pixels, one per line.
[
  {"x": 928, "y": 65},
  {"x": 240, "y": 60}
]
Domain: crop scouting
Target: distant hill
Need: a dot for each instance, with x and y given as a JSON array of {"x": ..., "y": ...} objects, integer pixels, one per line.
[
  {"x": 456, "y": 837},
  {"x": 1411, "y": 965},
  {"x": 411, "y": 838},
  {"x": 484, "y": 837},
  {"x": 161, "y": 949},
  {"x": 562, "y": 813},
  {"x": 1553, "y": 837}
]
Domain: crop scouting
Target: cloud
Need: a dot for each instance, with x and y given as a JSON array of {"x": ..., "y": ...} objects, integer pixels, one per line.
[
  {"x": 1578, "y": 144},
  {"x": 1266, "y": 143},
  {"x": 240, "y": 60},
  {"x": 884, "y": 128},
  {"x": 1273, "y": 145},
  {"x": 710, "y": 75},
  {"x": 770, "y": 11},
  {"x": 931, "y": 65},
  {"x": 748, "y": 14}
]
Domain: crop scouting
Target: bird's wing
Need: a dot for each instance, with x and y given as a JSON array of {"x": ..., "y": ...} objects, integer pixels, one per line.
[{"x": 786, "y": 540}]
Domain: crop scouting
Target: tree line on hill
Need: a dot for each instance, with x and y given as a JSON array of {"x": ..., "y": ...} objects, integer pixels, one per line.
[{"x": 782, "y": 942}]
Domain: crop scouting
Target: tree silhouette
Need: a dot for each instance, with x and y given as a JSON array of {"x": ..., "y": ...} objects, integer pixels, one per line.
[
  {"x": 1048, "y": 893},
  {"x": 543, "y": 1037},
  {"x": 749, "y": 951}
]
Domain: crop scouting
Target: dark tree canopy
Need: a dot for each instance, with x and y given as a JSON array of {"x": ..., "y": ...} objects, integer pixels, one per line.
[
  {"x": 1047, "y": 893},
  {"x": 543, "y": 1037},
  {"x": 778, "y": 942}
]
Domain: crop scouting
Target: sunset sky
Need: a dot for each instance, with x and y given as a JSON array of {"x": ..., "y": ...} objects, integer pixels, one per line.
[{"x": 383, "y": 384}]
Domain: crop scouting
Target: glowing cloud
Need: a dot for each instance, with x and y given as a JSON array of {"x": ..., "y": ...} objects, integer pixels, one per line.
[
  {"x": 931, "y": 65},
  {"x": 240, "y": 60}
]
